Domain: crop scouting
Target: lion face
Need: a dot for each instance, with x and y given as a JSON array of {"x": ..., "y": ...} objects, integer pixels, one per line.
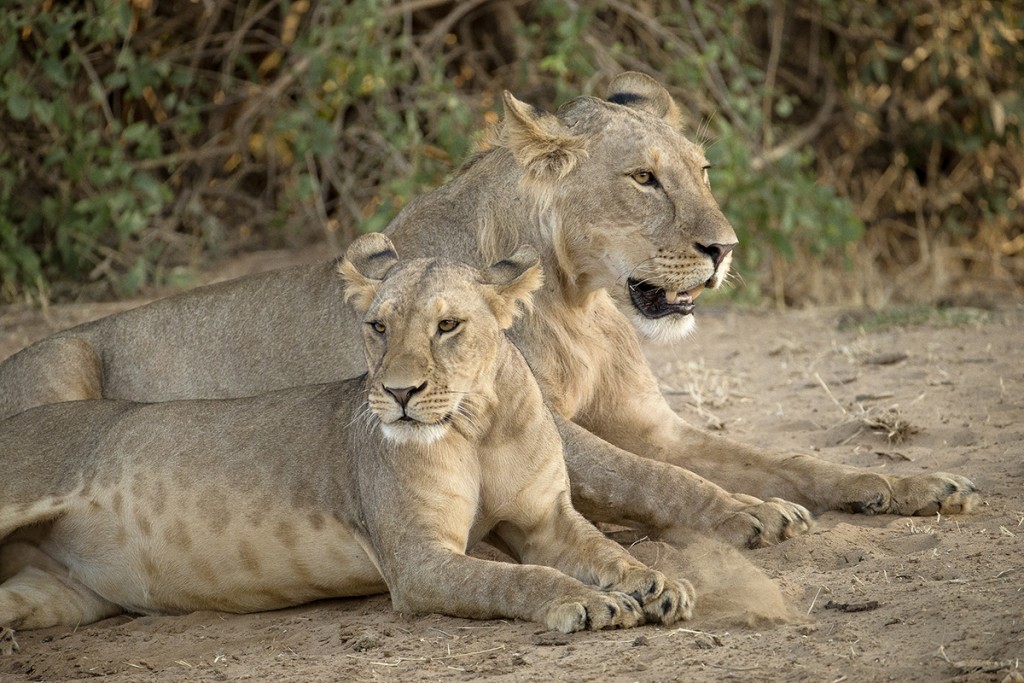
[
  {"x": 430, "y": 344},
  {"x": 624, "y": 199},
  {"x": 431, "y": 334}
]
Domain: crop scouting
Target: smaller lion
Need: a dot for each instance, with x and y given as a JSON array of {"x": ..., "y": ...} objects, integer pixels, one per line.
[{"x": 377, "y": 483}]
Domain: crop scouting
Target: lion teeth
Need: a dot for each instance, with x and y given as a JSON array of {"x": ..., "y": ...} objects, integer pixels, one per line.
[{"x": 684, "y": 297}]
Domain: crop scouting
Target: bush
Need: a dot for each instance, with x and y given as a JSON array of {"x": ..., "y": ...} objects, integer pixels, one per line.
[{"x": 137, "y": 137}]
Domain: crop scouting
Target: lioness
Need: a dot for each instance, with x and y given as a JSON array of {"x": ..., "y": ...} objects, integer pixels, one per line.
[
  {"x": 617, "y": 202},
  {"x": 349, "y": 488}
]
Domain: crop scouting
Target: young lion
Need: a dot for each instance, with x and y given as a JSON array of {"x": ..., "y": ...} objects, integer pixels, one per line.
[{"x": 382, "y": 481}]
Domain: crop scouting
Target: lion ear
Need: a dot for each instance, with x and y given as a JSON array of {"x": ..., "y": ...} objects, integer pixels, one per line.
[
  {"x": 511, "y": 282},
  {"x": 539, "y": 141},
  {"x": 367, "y": 261},
  {"x": 640, "y": 91}
]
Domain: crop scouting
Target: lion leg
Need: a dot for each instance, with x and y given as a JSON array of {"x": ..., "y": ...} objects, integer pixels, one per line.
[
  {"x": 50, "y": 371},
  {"x": 651, "y": 429},
  {"x": 565, "y": 540},
  {"x": 668, "y": 502},
  {"x": 438, "y": 580},
  {"x": 38, "y": 593},
  {"x": 821, "y": 485}
]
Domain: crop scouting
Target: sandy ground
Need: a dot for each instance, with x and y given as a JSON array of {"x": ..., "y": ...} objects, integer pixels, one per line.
[{"x": 857, "y": 599}]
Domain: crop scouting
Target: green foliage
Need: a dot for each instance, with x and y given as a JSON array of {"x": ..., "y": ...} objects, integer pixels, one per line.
[
  {"x": 136, "y": 136},
  {"x": 133, "y": 136},
  {"x": 68, "y": 187},
  {"x": 785, "y": 211},
  {"x": 934, "y": 129}
]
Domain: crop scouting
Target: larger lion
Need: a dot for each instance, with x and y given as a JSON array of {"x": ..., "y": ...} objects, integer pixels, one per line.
[{"x": 618, "y": 204}]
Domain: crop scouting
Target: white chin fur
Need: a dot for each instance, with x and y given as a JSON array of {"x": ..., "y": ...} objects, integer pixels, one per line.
[
  {"x": 667, "y": 330},
  {"x": 404, "y": 433}
]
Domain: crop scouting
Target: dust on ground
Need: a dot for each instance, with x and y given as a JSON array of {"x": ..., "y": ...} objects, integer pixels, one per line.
[{"x": 858, "y": 599}]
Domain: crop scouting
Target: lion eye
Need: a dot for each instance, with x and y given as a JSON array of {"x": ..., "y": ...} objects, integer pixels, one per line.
[
  {"x": 645, "y": 178},
  {"x": 447, "y": 325},
  {"x": 378, "y": 327},
  {"x": 707, "y": 178}
]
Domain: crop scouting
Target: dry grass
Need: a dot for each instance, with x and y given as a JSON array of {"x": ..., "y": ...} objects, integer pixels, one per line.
[
  {"x": 887, "y": 421},
  {"x": 703, "y": 389}
]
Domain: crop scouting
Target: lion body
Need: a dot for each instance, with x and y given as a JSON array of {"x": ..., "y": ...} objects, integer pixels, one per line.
[
  {"x": 320, "y": 491},
  {"x": 172, "y": 507}
]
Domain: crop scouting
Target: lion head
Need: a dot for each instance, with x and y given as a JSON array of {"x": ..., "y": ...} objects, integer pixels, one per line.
[
  {"x": 622, "y": 201},
  {"x": 431, "y": 333}
]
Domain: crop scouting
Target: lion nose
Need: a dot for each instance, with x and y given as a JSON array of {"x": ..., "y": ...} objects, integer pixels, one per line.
[
  {"x": 716, "y": 251},
  {"x": 403, "y": 394}
]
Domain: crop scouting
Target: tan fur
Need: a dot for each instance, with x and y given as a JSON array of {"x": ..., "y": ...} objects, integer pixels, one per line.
[
  {"x": 326, "y": 490},
  {"x": 568, "y": 185}
]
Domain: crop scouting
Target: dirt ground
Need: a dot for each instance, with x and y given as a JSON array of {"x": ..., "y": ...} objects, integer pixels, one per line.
[{"x": 857, "y": 599}]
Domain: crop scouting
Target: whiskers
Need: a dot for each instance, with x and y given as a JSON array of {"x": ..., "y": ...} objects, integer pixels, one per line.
[
  {"x": 703, "y": 136},
  {"x": 467, "y": 417},
  {"x": 431, "y": 416},
  {"x": 641, "y": 272},
  {"x": 671, "y": 273},
  {"x": 733, "y": 280},
  {"x": 364, "y": 419}
]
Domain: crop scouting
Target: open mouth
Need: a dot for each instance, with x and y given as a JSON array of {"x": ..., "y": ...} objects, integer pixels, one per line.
[{"x": 654, "y": 302}]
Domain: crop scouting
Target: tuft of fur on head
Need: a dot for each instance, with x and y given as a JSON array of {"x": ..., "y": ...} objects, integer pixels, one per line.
[
  {"x": 539, "y": 141},
  {"x": 366, "y": 262}
]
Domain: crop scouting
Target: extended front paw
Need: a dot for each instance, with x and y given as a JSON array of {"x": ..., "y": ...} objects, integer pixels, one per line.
[
  {"x": 923, "y": 494},
  {"x": 594, "y": 611},
  {"x": 931, "y": 493},
  {"x": 663, "y": 600},
  {"x": 759, "y": 523}
]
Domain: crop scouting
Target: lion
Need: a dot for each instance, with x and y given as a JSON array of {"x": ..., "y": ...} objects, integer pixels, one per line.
[
  {"x": 617, "y": 202},
  {"x": 375, "y": 483}
]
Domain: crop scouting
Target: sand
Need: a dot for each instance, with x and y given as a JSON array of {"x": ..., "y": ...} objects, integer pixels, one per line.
[{"x": 859, "y": 598}]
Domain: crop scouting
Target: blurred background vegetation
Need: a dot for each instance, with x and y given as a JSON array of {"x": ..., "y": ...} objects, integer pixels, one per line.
[{"x": 867, "y": 152}]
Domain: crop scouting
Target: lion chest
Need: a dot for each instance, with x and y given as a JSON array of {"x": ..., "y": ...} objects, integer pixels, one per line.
[
  {"x": 155, "y": 548},
  {"x": 426, "y": 492}
]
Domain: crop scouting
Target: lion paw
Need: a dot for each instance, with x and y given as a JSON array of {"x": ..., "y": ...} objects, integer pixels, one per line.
[
  {"x": 916, "y": 495},
  {"x": 663, "y": 600},
  {"x": 759, "y": 523},
  {"x": 931, "y": 493},
  {"x": 8, "y": 645},
  {"x": 595, "y": 611}
]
